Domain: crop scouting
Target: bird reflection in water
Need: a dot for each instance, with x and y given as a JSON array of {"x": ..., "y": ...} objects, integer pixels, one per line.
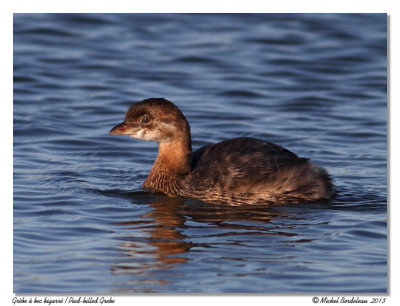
[
  {"x": 162, "y": 228},
  {"x": 162, "y": 243}
]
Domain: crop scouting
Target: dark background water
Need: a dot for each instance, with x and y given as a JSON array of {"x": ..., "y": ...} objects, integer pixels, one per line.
[{"x": 314, "y": 83}]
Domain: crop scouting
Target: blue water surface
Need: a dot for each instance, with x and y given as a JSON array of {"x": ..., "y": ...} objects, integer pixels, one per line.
[{"x": 314, "y": 83}]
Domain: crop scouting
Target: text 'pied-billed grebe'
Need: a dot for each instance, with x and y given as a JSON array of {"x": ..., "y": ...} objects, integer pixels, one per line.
[{"x": 235, "y": 171}]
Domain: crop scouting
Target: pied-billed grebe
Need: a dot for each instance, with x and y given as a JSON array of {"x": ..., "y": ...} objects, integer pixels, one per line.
[{"x": 235, "y": 171}]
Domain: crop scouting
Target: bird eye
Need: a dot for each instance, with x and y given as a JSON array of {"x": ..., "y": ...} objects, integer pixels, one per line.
[{"x": 145, "y": 119}]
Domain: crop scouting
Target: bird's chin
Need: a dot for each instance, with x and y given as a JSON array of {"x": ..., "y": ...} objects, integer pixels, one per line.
[
  {"x": 134, "y": 136},
  {"x": 143, "y": 135}
]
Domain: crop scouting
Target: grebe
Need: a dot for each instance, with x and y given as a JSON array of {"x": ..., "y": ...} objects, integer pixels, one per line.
[{"x": 235, "y": 171}]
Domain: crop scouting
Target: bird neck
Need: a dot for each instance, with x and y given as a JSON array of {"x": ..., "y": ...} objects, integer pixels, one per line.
[
  {"x": 173, "y": 161},
  {"x": 174, "y": 156}
]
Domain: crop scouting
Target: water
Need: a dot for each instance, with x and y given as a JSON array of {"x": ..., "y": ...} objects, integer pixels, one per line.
[{"x": 315, "y": 84}]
